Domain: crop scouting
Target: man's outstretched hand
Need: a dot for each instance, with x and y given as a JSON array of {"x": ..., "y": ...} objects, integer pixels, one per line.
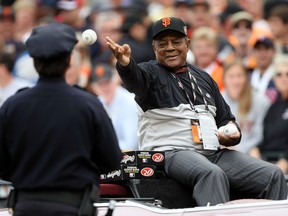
[{"x": 121, "y": 53}]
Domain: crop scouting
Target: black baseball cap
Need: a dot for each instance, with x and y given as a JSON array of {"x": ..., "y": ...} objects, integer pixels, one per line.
[
  {"x": 264, "y": 40},
  {"x": 51, "y": 40},
  {"x": 231, "y": 8},
  {"x": 182, "y": 2},
  {"x": 169, "y": 23},
  {"x": 102, "y": 71},
  {"x": 7, "y": 12},
  {"x": 199, "y": 2}
]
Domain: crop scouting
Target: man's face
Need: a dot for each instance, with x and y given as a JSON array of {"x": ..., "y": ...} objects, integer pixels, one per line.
[
  {"x": 242, "y": 31},
  {"x": 200, "y": 16},
  {"x": 7, "y": 25},
  {"x": 171, "y": 49},
  {"x": 205, "y": 51},
  {"x": 183, "y": 12},
  {"x": 278, "y": 27},
  {"x": 264, "y": 56}
]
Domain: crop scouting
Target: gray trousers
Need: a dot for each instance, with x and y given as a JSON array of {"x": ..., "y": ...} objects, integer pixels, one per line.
[{"x": 214, "y": 177}]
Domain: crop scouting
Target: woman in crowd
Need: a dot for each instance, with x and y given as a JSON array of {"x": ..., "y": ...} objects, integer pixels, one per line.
[
  {"x": 274, "y": 147},
  {"x": 245, "y": 103}
]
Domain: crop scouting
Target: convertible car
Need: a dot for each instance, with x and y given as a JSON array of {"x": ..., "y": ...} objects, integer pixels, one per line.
[{"x": 140, "y": 187}]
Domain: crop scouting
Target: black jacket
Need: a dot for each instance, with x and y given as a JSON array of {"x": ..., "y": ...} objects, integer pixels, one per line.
[
  {"x": 55, "y": 136},
  {"x": 165, "y": 114},
  {"x": 275, "y": 136}
]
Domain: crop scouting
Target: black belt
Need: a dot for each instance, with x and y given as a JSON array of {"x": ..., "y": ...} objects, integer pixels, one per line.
[
  {"x": 66, "y": 197},
  {"x": 81, "y": 199}
]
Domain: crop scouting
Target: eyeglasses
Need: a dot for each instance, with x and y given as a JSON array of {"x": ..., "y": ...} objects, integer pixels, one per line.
[{"x": 281, "y": 74}]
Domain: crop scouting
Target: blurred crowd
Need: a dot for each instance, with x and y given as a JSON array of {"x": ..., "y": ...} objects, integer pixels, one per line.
[{"x": 242, "y": 44}]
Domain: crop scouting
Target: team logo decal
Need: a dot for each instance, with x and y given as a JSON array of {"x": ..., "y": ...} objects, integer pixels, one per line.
[
  {"x": 157, "y": 157},
  {"x": 166, "y": 21},
  {"x": 114, "y": 173},
  {"x": 147, "y": 172},
  {"x": 127, "y": 158}
]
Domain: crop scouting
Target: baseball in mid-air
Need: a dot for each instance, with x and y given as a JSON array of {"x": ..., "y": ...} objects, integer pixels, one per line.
[
  {"x": 89, "y": 36},
  {"x": 228, "y": 129}
]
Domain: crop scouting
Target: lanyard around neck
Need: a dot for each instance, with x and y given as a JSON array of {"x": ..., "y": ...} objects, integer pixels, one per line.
[{"x": 194, "y": 85}]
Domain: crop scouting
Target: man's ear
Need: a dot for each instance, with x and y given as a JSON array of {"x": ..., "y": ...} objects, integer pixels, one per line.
[{"x": 188, "y": 43}]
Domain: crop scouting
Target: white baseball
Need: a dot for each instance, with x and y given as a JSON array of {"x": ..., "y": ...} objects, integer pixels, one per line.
[
  {"x": 89, "y": 36},
  {"x": 230, "y": 129}
]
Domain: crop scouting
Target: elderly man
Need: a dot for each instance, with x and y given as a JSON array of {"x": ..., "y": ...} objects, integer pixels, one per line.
[
  {"x": 180, "y": 110},
  {"x": 55, "y": 140}
]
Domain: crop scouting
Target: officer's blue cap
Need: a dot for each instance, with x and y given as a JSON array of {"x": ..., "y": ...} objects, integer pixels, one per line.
[{"x": 51, "y": 40}]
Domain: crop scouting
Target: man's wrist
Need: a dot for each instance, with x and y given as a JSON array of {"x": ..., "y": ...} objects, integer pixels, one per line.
[{"x": 123, "y": 68}]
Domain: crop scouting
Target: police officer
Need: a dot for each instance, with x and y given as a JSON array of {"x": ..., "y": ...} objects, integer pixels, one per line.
[{"x": 55, "y": 140}]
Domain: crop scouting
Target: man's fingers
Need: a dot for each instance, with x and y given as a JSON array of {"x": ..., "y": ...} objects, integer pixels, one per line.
[
  {"x": 116, "y": 48},
  {"x": 110, "y": 40},
  {"x": 112, "y": 44},
  {"x": 121, "y": 53}
]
